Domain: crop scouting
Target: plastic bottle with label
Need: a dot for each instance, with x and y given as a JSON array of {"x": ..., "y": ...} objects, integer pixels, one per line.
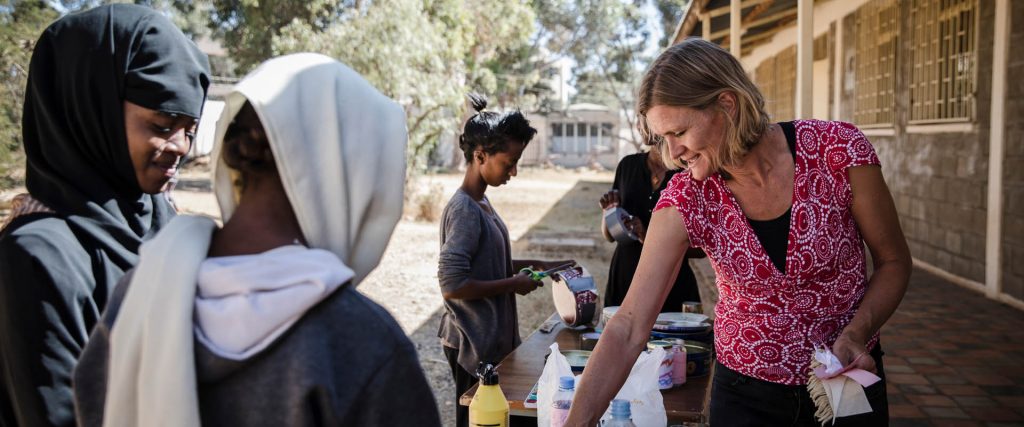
[
  {"x": 489, "y": 406},
  {"x": 621, "y": 416},
  {"x": 563, "y": 400},
  {"x": 678, "y": 362}
]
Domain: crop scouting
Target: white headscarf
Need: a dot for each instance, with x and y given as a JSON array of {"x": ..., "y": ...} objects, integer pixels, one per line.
[
  {"x": 339, "y": 145},
  {"x": 345, "y": 195}
]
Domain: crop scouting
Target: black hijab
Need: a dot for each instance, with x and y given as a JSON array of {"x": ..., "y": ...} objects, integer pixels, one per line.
[{"x": 84, "y": 67}]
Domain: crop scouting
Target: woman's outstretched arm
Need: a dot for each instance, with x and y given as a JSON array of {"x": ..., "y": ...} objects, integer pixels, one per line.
[{"x": 627, "y": 333}]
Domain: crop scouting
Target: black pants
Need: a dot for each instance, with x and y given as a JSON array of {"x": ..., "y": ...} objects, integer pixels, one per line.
[
  {"x": 463, "y": 382},
  {"x": 738, "y": 400}
]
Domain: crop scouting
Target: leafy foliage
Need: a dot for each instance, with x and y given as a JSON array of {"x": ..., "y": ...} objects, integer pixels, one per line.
[
  {"x": 426, "y": 55},
  {"x": 21, "y": 23}
]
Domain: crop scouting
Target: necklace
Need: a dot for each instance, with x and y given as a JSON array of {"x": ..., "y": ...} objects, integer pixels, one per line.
[{"x": 657, "y": 171}]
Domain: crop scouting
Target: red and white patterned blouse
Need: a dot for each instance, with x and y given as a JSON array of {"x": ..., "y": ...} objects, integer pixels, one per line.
[{"x": 767, "y": 322}]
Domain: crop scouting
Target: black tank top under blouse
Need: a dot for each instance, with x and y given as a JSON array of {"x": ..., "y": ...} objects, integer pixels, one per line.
[{"x": 774, "y": 233}]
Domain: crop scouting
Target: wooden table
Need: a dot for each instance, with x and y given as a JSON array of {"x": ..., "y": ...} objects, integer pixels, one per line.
[{"x": 521, "y": 370}]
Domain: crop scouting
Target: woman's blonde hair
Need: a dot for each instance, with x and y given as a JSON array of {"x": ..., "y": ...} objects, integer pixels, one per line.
[{"x": 693, "y": 74}]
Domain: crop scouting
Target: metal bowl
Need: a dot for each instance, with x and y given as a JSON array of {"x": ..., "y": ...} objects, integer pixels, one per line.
[{"x": 577, "y": 359}]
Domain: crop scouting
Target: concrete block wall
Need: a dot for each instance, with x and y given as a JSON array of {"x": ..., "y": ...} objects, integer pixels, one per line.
[{"x": 938, "y": 180}]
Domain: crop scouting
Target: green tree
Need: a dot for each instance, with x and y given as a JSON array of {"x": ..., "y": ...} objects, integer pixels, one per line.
[
  {"x": 248, "y": 27},
  {"x": 410, "y": 51},
  {"x": 607, "y": 40},
  {"x": 671, "y": 12},
  {"x": 427, "y": 54},
  {"x": 21, "y": 23}
]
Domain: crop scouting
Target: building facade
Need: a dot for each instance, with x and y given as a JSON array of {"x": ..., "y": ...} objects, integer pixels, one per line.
[{"x": 935, "y": 86}]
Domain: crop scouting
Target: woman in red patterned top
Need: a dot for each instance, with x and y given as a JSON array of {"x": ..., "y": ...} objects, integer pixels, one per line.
[{"x": 783, "y": 211}]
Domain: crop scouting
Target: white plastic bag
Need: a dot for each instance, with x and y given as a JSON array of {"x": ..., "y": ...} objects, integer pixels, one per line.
[
  {"x": 555, "y": 367},
  {"x": 641, "y": 389}
]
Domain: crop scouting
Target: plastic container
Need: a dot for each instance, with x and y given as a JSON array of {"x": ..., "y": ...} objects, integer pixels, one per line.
[
  {"x": 562, "y": 401},
  {"x": 620, "y": 414},
  {"x": 488, "y": 407},
  {"x": 606, "y": 315},
  {"x": 588, "y": 340},
  {"x": 698, "y": 359},
  {"x": 678, "y": 361},
  {"x": 665, "y": 369}
]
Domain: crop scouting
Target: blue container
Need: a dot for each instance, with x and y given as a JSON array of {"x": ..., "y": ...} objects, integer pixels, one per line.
[
  {"x": 706, "y": 336},
  {"x": 698, "y": 358}
]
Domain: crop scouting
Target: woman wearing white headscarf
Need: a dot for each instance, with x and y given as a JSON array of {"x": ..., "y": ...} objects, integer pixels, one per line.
[{"x": 309, "y": 176}]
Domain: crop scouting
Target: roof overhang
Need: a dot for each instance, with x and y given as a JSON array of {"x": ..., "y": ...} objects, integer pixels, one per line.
[{"x": 760, "y": 20}]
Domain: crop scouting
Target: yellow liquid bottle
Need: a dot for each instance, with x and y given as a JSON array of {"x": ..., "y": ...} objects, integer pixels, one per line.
[{"x": 489, "y": 407}]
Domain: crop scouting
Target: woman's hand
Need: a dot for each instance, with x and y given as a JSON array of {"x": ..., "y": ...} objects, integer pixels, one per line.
[
  {"x": 609, "y": 199},
  {"x": 635, "y": 225},
  {"x": 853, "y": 354},
  {"x": 523, "y": 284}
]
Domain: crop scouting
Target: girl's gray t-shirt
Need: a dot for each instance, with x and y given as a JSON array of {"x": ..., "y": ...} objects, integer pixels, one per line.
[{"x": 475, "y": 244}]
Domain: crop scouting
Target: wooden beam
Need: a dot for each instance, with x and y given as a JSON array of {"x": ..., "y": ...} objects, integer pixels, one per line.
[
  {"x": 690, "y": 17},
  {"x": 774, "y": 17},
  {"x": 758, "y": 10},
  {"x": 724, "y": 10},
  {"x": 805, "y": 59},
  {"x": 764, "y": 35},
  {"x": 735, "y": 28}
]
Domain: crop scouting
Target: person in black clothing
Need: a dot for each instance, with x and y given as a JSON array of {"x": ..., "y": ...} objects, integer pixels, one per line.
[
  {"x": 113, "y": 98},
  {"x": 639, "y": 179}
]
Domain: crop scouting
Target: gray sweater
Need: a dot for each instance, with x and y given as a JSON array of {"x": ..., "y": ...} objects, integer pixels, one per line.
[
  {"x": 475, "y": 244},
  {"x": 346, "y": 362}
]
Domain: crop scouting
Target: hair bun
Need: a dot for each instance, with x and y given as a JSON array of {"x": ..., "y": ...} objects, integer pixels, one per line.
[{"x": 478, "y": 101}]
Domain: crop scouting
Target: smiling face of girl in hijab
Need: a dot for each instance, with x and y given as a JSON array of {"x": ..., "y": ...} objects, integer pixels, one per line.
[
  {"x": 111, "y": 94},
  {"x": 157, "y": 142}
]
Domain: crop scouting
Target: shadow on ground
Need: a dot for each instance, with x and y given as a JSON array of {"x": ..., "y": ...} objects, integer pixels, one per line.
[{"x": 194, "y": 184}]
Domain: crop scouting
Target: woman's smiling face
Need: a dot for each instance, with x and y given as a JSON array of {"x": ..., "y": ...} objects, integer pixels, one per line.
[
  {"x": 694, "y": 136},
  {"x": 156, "y": 143}
]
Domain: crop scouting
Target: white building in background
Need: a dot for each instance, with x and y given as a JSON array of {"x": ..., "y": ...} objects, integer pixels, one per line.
[{"x": 583, "y": 135}]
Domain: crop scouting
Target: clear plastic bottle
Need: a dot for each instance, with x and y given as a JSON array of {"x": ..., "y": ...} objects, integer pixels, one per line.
[
  {"x": 562, "y": 401},
  {"x": 620, "y": 414}
]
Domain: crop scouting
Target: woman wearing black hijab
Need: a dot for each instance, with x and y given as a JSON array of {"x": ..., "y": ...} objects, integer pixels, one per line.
[{"x": 113, "y": 97}]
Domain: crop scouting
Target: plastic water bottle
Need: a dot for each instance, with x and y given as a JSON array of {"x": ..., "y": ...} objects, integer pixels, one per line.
[
  {"x": 620, "y": 414},
  {"x": 563, "y": 400},
  {"x": 489, "y": 407}
]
